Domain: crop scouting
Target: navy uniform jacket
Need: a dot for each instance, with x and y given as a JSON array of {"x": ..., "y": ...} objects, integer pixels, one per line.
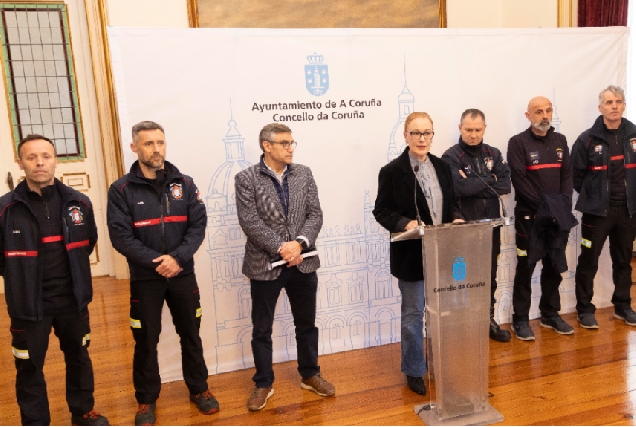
[
  {"x": 476, "y": 200},
  {"x": 539, "y": 165},
  {"x": 21, "y": 242},
  {"x": 144, "y": 223},
  {"x": 591, "y": 163}
]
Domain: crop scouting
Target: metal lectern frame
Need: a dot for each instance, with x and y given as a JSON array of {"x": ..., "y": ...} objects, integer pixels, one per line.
[{"x": 457, "y": 263}]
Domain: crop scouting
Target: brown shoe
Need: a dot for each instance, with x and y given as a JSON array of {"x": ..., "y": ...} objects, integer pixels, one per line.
[
  {"x": 319, "y": 385},
  {"x": 259, "y": 397}
]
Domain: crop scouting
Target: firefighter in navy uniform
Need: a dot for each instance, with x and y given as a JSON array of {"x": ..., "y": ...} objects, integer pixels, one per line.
[
  {"x": 475, "y": 166},
  {"x": 47, "y": 232},
  {"x": 604, "y": 163},
  {"x": 157, "y": 220},
  {"x": 539, "y": 161}
]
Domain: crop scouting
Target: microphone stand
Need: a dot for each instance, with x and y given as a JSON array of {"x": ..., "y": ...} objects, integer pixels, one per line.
[
  {"x": 507, "y": 219},
  {"x": 416, "y": 169}
]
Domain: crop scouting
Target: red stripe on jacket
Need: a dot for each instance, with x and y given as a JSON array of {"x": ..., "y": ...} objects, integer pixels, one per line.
[
  {"x": 157, "y": 221},
  {"x": 74, "y": 245},
  {"x": 21, "y": 253},
  {"x": 52, "y": 239},
  {"x": 544, "y": 166}
]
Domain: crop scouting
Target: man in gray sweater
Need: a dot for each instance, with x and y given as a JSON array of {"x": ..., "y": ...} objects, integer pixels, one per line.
[{"x": 279, "y": 211}]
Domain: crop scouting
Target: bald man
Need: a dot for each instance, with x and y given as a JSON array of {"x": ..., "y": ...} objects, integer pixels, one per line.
[{"x": 539, "y": 163}]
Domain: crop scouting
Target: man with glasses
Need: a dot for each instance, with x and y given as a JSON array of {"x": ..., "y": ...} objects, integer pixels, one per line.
[
  {"x": 479, "y": 177},
  {"x": 279, "y": 211},
  {"x": 604, "y": 163},
  {"x": 539, "y": 160}
]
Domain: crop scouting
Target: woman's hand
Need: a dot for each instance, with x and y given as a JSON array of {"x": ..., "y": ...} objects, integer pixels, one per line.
[{"x": 411, "y": 225}]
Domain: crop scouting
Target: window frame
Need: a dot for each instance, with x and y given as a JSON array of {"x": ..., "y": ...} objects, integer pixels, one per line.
[{"x": 8, "y": 76}]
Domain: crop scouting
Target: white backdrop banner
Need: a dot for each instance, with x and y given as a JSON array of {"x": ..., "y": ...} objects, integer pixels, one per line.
[{"x": 345, "y": 95}]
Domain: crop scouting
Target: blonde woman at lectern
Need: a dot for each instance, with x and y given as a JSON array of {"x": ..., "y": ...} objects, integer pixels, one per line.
[{"x": 415, "y": 188}]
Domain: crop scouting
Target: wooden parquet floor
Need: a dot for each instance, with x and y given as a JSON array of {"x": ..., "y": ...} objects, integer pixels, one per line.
[{"x": 588, "y": 378}]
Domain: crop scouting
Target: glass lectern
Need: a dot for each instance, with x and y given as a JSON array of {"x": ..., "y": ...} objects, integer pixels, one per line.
[{"x": 457, "y": 288}]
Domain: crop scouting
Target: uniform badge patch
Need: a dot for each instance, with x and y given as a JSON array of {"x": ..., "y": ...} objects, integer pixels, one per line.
[
  {"x": 199, "y": 198},
  {"x": 467, "y": 168},
  {"x": 177, "y": 191},
  {"x": 490, "y": 163},
  {"x": 534, "y": 157},
  {"x": 632, "y": 142},
  {"x": 559, "y": 153},
  {"x": 76, "y": 215},
  {"x": 599, "y": 148}
]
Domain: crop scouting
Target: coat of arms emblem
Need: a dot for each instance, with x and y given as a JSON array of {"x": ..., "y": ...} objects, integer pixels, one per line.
[
  {"x": 316, "y": 75},
  {"x": 459, "y": 269}
]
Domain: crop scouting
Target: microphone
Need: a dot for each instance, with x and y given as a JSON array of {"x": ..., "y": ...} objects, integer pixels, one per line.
[
  {"x": 416, "y": 169},
  {"x": 501, "y": 203}
]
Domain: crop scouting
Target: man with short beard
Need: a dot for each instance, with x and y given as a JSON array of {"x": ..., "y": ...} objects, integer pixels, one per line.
[
  {"x": 157, "y": 220},
  {"x": 539, "y": 161}
]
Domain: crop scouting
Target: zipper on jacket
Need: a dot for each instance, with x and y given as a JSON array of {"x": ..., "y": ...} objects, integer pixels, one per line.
[
  {"x": 163, "y": 228},
  {"x": 608, "y": 180},
  {"x": 167, "y": 204},
  {"x": 629, "y": 209}
]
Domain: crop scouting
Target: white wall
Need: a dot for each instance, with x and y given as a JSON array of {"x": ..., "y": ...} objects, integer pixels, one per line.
[
  {"x": 501, "y": 13},
  {"x": 148, "y": 13}
]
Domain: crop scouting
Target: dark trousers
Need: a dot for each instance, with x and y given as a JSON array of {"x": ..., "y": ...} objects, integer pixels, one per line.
[
  {"x": 621, "y": 230},
  {"x": 301, "y": 290},
  {"x": 181, "y": 293},
  {"x": 496, "y": 249},
  {"x": 30, "y": 341},
  {"x": 550, "y": 303}
]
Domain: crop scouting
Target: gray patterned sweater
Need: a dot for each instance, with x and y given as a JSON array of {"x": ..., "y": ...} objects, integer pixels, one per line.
[{"x": 263, "y": 220}]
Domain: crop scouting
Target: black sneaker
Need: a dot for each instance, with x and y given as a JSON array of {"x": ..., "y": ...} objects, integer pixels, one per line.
[
  {"x": 145, "y": 414},
  {"x": 558, "y": 324},
  {"x": 626, "y": 314},
  {"x": 206, "y": 402},
  {"x": 498, "y": 334},
  {"x": 588, "y": 321},
  {"x": 523, "y": 331},
  {"x": 91, "y": 418},
  {"x": 416, "y": 384}
]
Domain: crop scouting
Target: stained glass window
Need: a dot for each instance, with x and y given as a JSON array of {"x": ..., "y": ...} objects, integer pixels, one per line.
[{"x": 40, "y": 77}]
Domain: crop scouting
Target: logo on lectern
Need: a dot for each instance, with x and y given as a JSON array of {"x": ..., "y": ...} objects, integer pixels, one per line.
[{"x": 459, "y": 269}]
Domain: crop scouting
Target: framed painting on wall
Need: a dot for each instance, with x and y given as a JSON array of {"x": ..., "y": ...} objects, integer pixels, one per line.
[{"x": 317, "y": 13}]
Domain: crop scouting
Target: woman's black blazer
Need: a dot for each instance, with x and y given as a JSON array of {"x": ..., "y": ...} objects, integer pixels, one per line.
[{"x": 395, "y": 207}]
